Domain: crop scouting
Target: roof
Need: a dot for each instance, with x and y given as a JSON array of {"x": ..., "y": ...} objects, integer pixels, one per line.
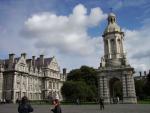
[
  {"x": 47, "y": 61},
  {"x": 112, "y": 25},
  {"x": 111, "y": 14}
]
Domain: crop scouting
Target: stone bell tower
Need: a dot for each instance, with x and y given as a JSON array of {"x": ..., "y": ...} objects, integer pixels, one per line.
[{"x": 114, "y": 64}]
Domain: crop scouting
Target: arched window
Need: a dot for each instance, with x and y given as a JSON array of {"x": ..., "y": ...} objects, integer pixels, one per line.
[
  {"x": 112, "y": 45},
  {"x": 119, "y": 45},
  {"x": 50, "y": 85}
]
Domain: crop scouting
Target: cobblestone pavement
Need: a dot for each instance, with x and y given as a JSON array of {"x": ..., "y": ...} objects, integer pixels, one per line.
[{"x": 114, "y": 108}]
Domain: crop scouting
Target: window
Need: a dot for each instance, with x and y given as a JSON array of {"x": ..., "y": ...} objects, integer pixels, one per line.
[
  {"x": 119, "y": 45},
  {"x": 53, "y": 85},
  {"x": 112, "y": 45},
  {"x": 50, "y": 84}
]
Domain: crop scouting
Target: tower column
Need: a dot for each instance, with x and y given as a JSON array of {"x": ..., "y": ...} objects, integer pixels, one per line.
[
  {"x": 116, "y": 47},
  {"x": 109, "y": 49},
  {"x": 129, "y": 95},
  {"x": 103, "y": 88},
  {"x": 122, "y": 50}
]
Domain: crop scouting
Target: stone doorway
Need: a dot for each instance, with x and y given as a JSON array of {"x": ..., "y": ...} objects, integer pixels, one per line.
[
  {"x": 115, "y": 86},
  {"x": 115, "y": 90}
]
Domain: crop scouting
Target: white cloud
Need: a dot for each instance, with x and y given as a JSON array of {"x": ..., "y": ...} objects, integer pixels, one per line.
[
  {"x": 65, "y": 34},
  {"x": 137, "y": 47},
  {"x": 67, "y": 38}
]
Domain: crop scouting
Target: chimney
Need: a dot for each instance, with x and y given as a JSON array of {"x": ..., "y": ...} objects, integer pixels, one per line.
[
  {"x": 33, "y": 60},
  {"x": 145, "y": 73},
  {"x": 23, "y": 55},
  {"x": 140, "y": 73},
  {"x": 41, "y": 59},
  {"x": 30, "y": 62},
  {"x": 11, "y": 57},
  {"x": 64, "y": 71}
]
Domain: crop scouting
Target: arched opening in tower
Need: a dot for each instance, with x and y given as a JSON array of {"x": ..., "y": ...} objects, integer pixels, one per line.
[{"x": 115, "y": 88}]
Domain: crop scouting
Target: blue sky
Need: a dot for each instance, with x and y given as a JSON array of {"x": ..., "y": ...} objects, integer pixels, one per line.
[{"x": 18, "y": 16}]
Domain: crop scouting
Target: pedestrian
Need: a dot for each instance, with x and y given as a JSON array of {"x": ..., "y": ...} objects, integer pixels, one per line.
[
  {"x": 57, "y": 108},
  {"x": 78, "y": 101},
  {"x": 18, "y": 101},
  {"x": 101, "y": 102},
  {"x": 24, "y": 106},
  {"x": 117, "y": 99}
]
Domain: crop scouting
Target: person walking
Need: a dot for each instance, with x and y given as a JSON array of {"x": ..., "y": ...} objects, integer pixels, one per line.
[
  {"x": 117, "y": 100},
  {"x": 24, "y": 106},
  {"x": 57, "y": 108},
  {"x": 101, "y": 102},
  {"x": 77, "y": 101}
]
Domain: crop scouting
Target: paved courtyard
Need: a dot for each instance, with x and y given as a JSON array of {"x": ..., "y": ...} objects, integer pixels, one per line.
[{"x": 114, "y": 108}]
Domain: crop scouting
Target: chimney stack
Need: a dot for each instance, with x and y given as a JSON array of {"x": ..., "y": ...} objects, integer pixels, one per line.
[
  {"x": 11, "y": 57},
  {"x": 30, "y": 62},
  {"x": 64, "y": 71},
  {"x": 33, "y": 57},
  {"x": 145, "y": 73},
  {"x": 41, "y": 59},
  {"x": 23, "y": 55},
  {"x": 140, "y": 73},
  {"x": 33, "y": 60}
]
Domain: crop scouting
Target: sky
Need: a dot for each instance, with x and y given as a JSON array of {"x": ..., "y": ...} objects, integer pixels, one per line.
[{"x": 71, "y": 30}]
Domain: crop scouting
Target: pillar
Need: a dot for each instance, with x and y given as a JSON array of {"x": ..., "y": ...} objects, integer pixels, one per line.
[
  {"x": 129, "y": 95},
  {"x": 14, "y": 88},
  {"x": 109, "y": 49},
  {"x": 103, "y": 89}
]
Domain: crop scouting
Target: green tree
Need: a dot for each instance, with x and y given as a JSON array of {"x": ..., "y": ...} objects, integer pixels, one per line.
[
  {"x": 147, "y": 86},
  {"x": 87, "y": 75},
  {"x": 72, "y": 90},
  {"x": 139, "y": 87},
  {"x": 74, "y": 75}
]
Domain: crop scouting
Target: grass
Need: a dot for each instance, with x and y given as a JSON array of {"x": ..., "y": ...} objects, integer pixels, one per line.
[
  {"x": 146, "y": 101},
  {"x": 40, "y": 102},
  {"x": 81, "y": 103},
  {"x": 62, "y": 103}
]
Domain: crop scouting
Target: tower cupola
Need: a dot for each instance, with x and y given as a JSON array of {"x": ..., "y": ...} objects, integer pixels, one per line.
[
  {"x": 112, "y": 25},
  {"x": 113, "y": 43}
]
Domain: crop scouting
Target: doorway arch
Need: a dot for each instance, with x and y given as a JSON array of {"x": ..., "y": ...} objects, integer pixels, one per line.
[{"x": 115, "y": 88}]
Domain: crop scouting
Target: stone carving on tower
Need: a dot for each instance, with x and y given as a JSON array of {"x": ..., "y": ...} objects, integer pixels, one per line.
[{"x": 114, "y": 65}]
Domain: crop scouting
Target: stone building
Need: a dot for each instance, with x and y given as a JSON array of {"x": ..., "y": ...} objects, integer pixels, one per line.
[
  {"x": 37, "y": 78},
  {"x": 114, "y": 66}
]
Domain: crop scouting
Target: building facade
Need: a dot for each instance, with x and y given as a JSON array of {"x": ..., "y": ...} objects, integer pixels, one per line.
[
  {"x": 37, "y": 78},
  {"x": 114, "y": 65}
]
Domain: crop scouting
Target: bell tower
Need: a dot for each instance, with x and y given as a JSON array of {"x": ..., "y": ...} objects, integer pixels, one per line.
[
  {"x": 113, "y": 42},
  {"x": 113, "y": 38},
  {"x": 114, "y": 64}
]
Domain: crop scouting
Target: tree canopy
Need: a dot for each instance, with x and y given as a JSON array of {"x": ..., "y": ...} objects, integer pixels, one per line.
[{"x": 81, "y": 84}]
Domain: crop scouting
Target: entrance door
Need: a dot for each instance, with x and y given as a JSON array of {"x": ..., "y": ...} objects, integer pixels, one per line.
[{"x": 115, "y": 88}]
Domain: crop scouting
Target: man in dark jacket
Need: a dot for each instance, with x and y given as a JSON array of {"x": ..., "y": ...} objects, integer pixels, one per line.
[
  {"x": 24, "y": 106},
  {"x": 57, "y": 108},
  {"x": 101, "y": 102}
]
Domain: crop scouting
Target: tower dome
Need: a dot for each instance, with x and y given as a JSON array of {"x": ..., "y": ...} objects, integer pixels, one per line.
[{"x": 112, "y": 25}]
